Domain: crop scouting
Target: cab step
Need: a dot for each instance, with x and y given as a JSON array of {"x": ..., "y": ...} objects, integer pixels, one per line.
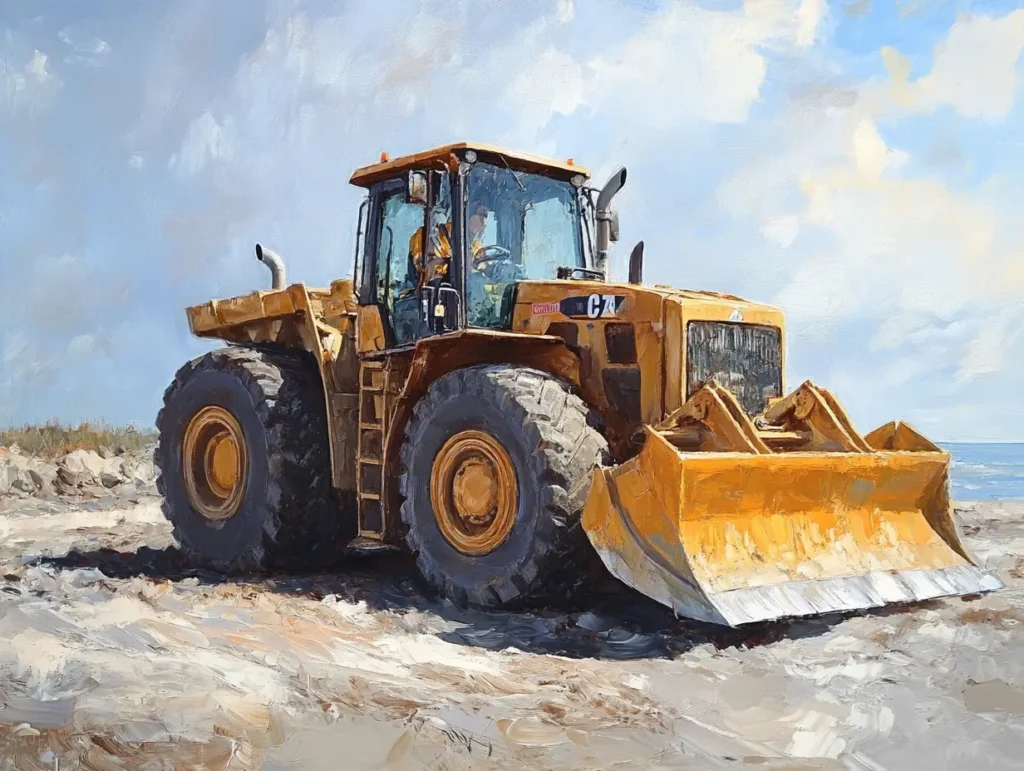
[{"x": 361, "y": 545}]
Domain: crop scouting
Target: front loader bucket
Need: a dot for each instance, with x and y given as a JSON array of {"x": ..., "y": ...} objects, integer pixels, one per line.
[{"x": 738, "y": 537}]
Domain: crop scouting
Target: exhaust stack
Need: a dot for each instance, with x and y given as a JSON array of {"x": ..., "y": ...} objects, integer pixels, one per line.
[
  {"x": 636, "y": 264},
  {"x": 607, "y": 220},
  {"x": 273, "y": 261}
]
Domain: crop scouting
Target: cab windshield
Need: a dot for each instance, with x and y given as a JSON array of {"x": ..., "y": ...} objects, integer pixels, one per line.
[{"x": 519, "y": 226}]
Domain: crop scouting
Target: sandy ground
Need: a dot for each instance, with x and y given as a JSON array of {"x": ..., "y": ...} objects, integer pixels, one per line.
[{"x": 114, "y": 655}]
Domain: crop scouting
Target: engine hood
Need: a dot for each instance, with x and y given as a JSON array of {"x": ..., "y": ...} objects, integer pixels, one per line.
[
  {"x": 539, "y": 303},
  {"x": 644, "y": 349}
]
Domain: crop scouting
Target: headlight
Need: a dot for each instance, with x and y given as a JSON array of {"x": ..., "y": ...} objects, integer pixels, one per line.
[
  {"x": 471, "y": 156},
  {"x": 577, "y": 181}
]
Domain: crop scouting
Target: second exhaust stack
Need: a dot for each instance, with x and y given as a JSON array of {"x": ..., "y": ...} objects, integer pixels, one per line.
[{"x": 273, "y": 261}]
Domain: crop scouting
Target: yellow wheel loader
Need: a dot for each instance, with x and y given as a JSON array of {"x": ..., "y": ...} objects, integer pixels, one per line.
[{"x": 481, "y": 394}]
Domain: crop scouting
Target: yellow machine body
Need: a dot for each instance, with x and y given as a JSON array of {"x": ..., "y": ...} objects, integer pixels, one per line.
[{"x": 730, "y": 499}]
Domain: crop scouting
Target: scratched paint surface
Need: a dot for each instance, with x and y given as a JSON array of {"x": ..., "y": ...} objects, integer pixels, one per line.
[
  {"x": 740, "y": 521},
  {"x": 116, "y": 652}
]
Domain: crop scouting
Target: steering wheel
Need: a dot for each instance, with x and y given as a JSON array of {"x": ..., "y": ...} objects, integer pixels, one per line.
[{"x": 491, "y": 253}]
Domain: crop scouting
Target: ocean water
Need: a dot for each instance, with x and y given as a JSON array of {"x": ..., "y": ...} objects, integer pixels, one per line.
[{"x": 986, "y": 471}]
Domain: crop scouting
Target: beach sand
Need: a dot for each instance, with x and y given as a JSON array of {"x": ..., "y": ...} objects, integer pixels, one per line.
[{"x": 113, "y": 654}]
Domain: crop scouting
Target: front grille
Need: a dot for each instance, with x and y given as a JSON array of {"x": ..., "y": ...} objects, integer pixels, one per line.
[{"x": 744, "y": 358}]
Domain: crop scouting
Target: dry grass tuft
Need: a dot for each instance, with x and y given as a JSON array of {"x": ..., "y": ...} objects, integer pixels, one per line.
[{"x": 53, "y": 439}]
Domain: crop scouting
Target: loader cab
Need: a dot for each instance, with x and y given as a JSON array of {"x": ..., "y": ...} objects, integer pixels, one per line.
[{"x": 450, "y": 234}]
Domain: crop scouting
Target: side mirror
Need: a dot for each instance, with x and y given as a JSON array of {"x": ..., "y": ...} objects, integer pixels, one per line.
[
  {"x": 613, "y": 234},
  {"x": 416, "y": 191}
]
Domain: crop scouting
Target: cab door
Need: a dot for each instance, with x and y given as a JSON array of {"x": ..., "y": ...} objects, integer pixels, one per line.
[{"x": 396, "y": 247}]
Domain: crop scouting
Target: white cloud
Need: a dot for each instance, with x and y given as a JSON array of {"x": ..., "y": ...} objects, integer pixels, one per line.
[
  {"x": 37, "y": 68},
  {"x": 921, "y": 332},
  {"x": 565, "y": 11},
  {"x": 986, "y": 354},
  {"x": 974, "y": 69},
  {"x": 15, "y": 344},
  {"x": 89, "y": 51},
  {"x": 28, "y": 82},
  {"x": 428, "y": 45},
  {"x": 23, "y": 371},
  {"x": 897, "y": 249},
  {"x": 904, "y": 370},
  {"x": 781, "y": 230},
  {"x": 206, "y": 141},
  {"x": 809, "y": 17},
  {"x": 320, "y": 96},
  {"x": 551, "y": 85},
  {"x": 687, "y": 64},
  {"x": 82, "y": 345},
  {"x": 913, "y": 283}
]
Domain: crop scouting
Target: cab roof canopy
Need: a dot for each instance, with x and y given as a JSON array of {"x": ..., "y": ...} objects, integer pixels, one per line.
[{"x": 367, "y": 175}]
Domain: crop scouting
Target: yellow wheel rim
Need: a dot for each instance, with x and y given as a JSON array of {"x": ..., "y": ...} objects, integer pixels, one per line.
[
  {"x": 474, "y": 493},
  {"x": 215, "y": 463}
]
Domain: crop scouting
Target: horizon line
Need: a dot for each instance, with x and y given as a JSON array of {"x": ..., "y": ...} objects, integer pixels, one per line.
[{"x": 979, "y": 441}]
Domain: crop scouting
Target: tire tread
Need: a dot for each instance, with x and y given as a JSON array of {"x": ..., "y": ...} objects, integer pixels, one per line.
[
  {"x": 304, "y": 527},
  {"x": 568, "y": 449}
]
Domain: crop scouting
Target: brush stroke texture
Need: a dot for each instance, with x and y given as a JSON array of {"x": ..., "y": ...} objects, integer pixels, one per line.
[
  {"x": 113, "y": 649},
  {"x": 854, "y": 164}
]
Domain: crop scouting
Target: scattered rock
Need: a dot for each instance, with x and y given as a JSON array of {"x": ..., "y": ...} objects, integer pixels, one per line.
[
  {"x": 24, "y": 485},
  {"x": 145, "y": 473},
  {"x": 80, "y": 468},
  {"x": 131, "y": 493},
  {"x": 80, "y": 474},
  {"x": 45, "y": 476},
  {"x": 23, "y": 474},
  {"x": 105, "y": 453},
  {"x": 109, "y": 479}
]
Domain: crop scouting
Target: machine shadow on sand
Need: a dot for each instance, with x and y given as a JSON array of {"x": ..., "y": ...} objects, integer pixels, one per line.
[{"x": 615, "y": 623}]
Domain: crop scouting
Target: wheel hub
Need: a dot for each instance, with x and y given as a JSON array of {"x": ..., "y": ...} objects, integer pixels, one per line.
[
  {"x": 473, "y": 492},
  {"x": 215, "y": 463}
]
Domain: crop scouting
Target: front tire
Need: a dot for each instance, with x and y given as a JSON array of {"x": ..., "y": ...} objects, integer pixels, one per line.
[
  {"x": 497, "y": 464},
  {"x": 243, "y": 463}
]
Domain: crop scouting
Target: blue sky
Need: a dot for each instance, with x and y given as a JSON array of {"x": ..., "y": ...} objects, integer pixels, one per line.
[{"x": 855, "y": 162}]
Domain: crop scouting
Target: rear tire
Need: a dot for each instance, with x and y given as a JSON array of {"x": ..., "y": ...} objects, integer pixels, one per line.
[
  {"x": 285, "y": 518},
  {"x": 548, "y": 435}
]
